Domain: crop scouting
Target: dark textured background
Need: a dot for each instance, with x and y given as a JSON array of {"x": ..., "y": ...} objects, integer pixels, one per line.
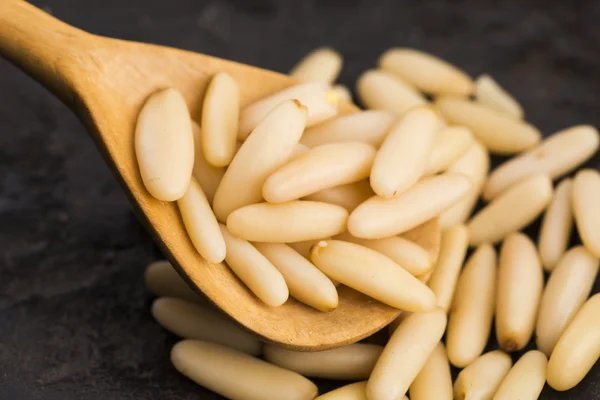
[{"x": 74, "y": 315}]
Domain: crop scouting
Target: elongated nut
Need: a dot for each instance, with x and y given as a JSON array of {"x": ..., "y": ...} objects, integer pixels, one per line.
[
  {"x": 567, "y": 289},
  {"x": 351, "y": 362},
  {"x": 191, "y": 321},
  {"x": 526, "y": 378},
  {"x": 220, "y": 115},
  {"x": 403, "y": 252},
  {"x": 414, "y": 339},
  {"x": 586, "y": 198},
  {"x": 293, "y": 221},
  {"x": 201, "y": 224},
  {"x": 450, "y": 145},
  {"x": 490, "y": 94},
  {"x": 453, "y": 249},
  {"x": 164, "y": 145},
  {"x": 472, "y": 310},
  {"x": 266, "y": 149},
  {"x": 320, "y": 65},
  {"x": 261, "y": 277},
  {"x": 520, "y": 285},
  {"x": 304, "y": 247},
  {"x": 305, "y": 282},
  {"x": 378, "y": 217},
  {"x": 379, "y": 90},
  {"x": 353, "y": 391},
  {"x": 557, "y": 225},
  {"x": 373, "y": 274},
  {"x": 342, "y": 92},
  {"x": 320, "y": 106},
  {"x": 208, "y": 176},
  {"x": 402, "y": 158},
  {"x": 320, "y": 168},
  {"x": 560, "y": 153},
  {"x": 348, "y": 196},
  {"x": 578, "y": 348},
  {"x": 482, "y": 378},
  {"x": 434, "y": 382},
  {"x": 162, "y": 280},
  {"x": 369, "y": 127},
  {"x": 499, "y": 133},
  {"x": 227, "y": 372},
  {"x": 475, "y": 165},
  {"x": 513, "y": 210},
  {"x": 426, "y": 72}
]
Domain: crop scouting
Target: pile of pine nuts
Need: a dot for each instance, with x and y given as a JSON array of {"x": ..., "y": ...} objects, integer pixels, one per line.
[{"x": 304, "y": 175}]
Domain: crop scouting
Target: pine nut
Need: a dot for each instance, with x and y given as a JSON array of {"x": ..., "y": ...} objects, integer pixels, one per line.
[
  {"x": 481, "y": 379},
  {"x": 322, "y": 167},
  {"x": 511, "y": 211},
  {"x": 342, "y": 92},
  {"x": 490, "y": 94},
  {"x": 472, "y": 310},
  {"x": 414, "y": 339},
  {"x": 162, "y": 280},
  {"x": 293, "y": 221},
  {"x": 520, "y": 285},
  {"x": 586, "y": 198},
  {"x": 450, "y": 145},
  {"x": 380, "y": 90},
  {"x": 347, "y": 196},
  {"x": 402, "y": 158},
  {"x": 304, "y": 247},
  {"x": 208, "y": 176},
  {"x": 353, "y": 391},
  {"x": 526, "y": 378},
  {"x": 379, "y": 217},
  {"x": 499, "y": 133},
  {"x": 434, "y": 382},
  {"x": 320, "y": 65},
  {"x": 236, "y": 375},
  {"x": 567, "y": 289},
  {"x": 164, "y": 145},
  {"x": 383, "y": 280}
]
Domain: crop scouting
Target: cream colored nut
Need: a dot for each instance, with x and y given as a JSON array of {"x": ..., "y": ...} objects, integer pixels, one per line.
[
  {"x": 208, "y": 176},
  {"x": 379, "y": 217},
  {"x": 520, "y": 285},
  {"x": 380, "y": 90},
  {"x": 342, "y": 92},
  {"x": 490, "y": 94},
  {"x": 396, "y": 322},
  {"x": 414, "y": 339},
  {"x": 304, "y": 247},
  {"x": 201, "y": 224},
  {"x": 320, "y": 168},
  {"x": 578, "y": 348},
  {"x": 320, "y": 65},
  {"x": 164, "y": 145},
  {"x": 453, "y": 249},
  {"x": 557, "y": 226},
  {"x": 293, "y": 221},
  {"x": 482, "y": 378},
  {"x": 475, "y": 165},
  {"x": 499, "y": 133},
  {"x": 162, "y": 280},
  {"x": 305, "y": 282},
  {"x": 402, "y": 158},
  {"x": 351, "y": 362},
  {"x": 526, "y": 378},
  {"x": 426, "y": 72},
  {"x": 348, "y": 196},
  {"x": 472, "y": 310},
  {"x": 236, "y": 375},
  {"x": 299, "y": 150},
  {"x": 434, "y": 382},
  {"x": 450, "y": 145},
  {"x": 403, "y": 252},
  {"x": 369, "y": 126},
  {"x": 383, "y": 280},
  {"x": 555, "y": 156},
  {"x": 586, "y": 201},
  {"x": 353, "y": 391},
  {"x": 513, "y": 210},
  {"x": 255, "y": 270},
  {"x": 320, "y": 104},
  {"x": 220, "y": 115},
  {"x": 191, "y": 321},
  {"x": 568, "y": 287},
  {"x": 266, "y": 149}
]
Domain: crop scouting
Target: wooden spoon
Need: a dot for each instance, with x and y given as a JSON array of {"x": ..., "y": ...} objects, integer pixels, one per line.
[{"x": 105, "y": 82}]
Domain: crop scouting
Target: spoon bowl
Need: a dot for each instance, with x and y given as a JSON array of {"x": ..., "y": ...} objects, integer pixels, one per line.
[{"x": 105, "y": 82}]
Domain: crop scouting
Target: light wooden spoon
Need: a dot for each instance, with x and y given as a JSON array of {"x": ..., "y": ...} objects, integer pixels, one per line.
[{"x": 105, "y": 81}]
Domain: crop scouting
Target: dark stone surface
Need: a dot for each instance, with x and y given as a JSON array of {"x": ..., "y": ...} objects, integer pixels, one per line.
[{"x": 74, "y": 315}]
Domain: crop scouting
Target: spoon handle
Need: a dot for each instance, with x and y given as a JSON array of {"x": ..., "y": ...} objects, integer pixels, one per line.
[{"x": 42, "y": 46}]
